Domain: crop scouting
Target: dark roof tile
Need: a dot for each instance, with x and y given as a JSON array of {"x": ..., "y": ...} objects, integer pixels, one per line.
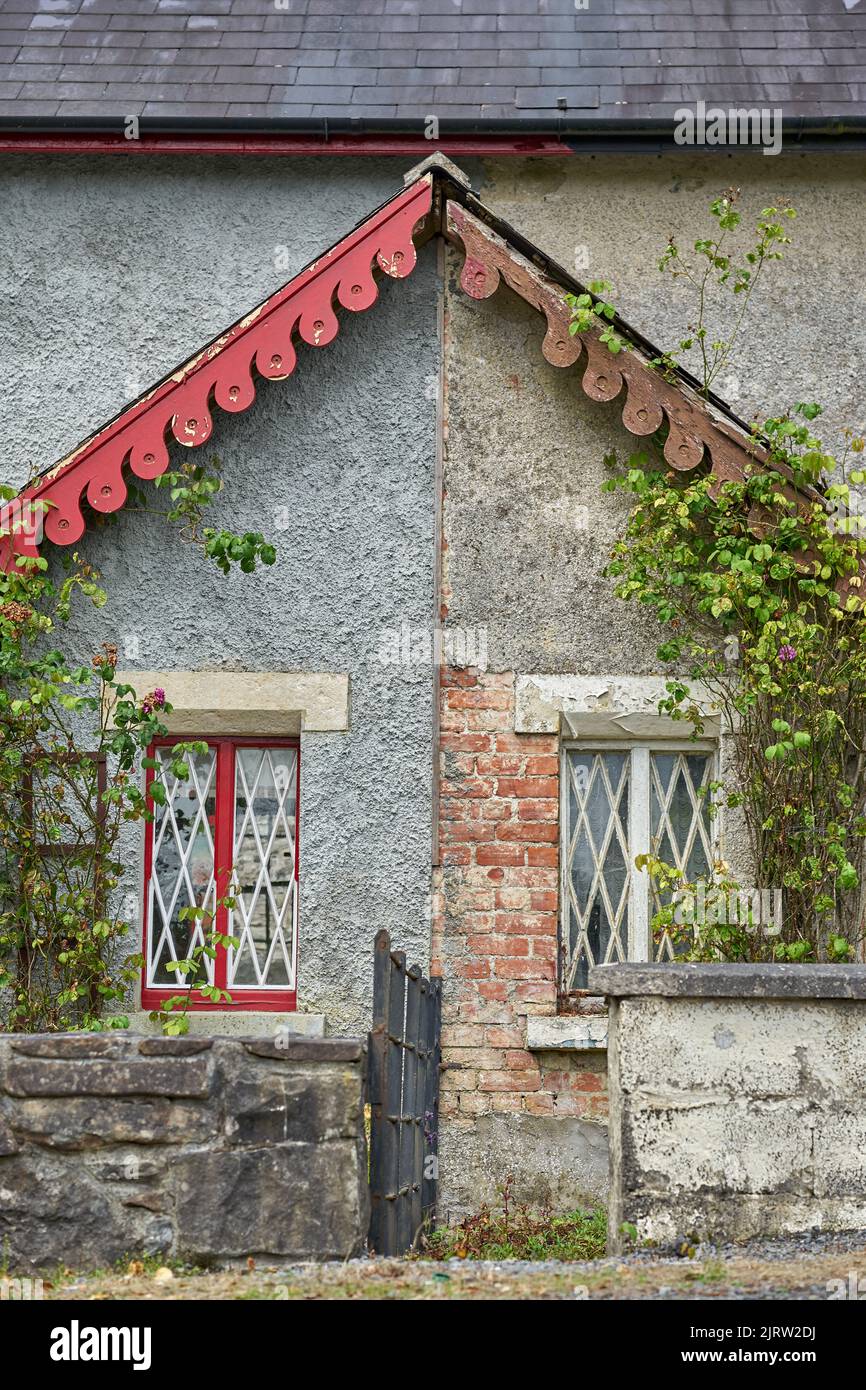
[
  {"x": 26, "y": 108},
  {"x": 547, "y": 98},
  {"x": 186, "y": 108},
  {"x": 256, "y": 76},
  {"x": 95, "y": 106},
  {"x": 261, "y": 108}
]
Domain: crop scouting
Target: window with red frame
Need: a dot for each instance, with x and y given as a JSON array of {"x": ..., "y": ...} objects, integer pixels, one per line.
[{"x": 227, "y": 830}]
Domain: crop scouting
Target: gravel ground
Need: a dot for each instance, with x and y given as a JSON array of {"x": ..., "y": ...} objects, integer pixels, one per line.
[
  {"x": 790, "y": 1247},
  {"x": 788, "y": 1268}
]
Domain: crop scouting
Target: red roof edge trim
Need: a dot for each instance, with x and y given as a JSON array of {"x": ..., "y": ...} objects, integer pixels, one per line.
[
  {"x": 223, "y": 372},
  {"x": 376, "y": 146}
]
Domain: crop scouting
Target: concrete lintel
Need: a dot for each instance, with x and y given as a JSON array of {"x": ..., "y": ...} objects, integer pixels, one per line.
[
  {"x": 566, "y": 1033},
  {"x": 604, "y": 707},
  {"x": 257, "y": 703},
  {"x": 719, "y": 981}
]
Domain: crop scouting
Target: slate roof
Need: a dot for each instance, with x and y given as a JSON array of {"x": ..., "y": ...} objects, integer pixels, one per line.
[{"x": 388, "y": 60}]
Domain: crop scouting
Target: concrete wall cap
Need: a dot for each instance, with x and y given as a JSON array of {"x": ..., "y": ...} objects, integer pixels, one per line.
[
  {"x": 720, "y": 981},
  {"x": 437, "y": 160},
  {"x": 231, "y": 1023}
]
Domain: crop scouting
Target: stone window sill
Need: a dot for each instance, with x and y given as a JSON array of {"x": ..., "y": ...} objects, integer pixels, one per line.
[
  {"x": 567, "y": 1033},
  {"x": 237, "y": 1024}
]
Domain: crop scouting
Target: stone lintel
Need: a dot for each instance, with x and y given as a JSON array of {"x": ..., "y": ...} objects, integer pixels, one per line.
[
  {"x": 604, "y": 707},
  {"x": 281, "y": 704}
]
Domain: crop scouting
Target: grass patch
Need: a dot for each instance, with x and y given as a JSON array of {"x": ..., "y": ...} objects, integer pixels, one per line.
[{"x": 516, "y": 1232}]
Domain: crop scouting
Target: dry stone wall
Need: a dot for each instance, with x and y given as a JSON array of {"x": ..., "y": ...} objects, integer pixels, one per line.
[{"x": 210, "y": 1149}]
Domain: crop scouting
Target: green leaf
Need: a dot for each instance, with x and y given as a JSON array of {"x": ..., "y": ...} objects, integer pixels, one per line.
[{"x": 848, "y": 877}]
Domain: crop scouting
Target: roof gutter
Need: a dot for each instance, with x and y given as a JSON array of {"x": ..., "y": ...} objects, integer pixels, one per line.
[{"x": 561, "y": 133}]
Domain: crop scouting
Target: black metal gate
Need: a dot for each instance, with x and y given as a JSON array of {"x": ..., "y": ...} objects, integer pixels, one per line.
[{"x": 404, "y": 1100}]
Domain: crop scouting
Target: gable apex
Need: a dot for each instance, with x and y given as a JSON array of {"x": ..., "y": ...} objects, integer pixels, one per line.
[{"x": 437, "y": 200}]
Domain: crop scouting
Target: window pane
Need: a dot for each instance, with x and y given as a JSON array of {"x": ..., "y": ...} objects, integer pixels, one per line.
[
  {"x": 182, "y": 874},
  {"x": 263, "y": 919},
  {"x": 680, "y": 824},
  {"x": 596, "y": 862}
]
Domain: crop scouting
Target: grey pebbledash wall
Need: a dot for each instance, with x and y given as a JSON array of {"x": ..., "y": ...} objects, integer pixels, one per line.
[
  {"x": 208, "y": 1150},
  {"x": 114, "y": 270},
  {"x": 344, "y": 460},
  {"x": 737, "y": 1100}
]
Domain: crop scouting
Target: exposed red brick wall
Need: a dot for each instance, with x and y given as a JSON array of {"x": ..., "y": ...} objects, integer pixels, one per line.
[{"x": 495, "y": 911}]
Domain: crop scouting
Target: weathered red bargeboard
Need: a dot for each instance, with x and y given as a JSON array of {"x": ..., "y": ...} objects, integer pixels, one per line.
[{"x": 261, "y": 343}]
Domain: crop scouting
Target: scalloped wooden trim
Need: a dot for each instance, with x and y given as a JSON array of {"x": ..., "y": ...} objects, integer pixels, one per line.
[
  {"x": 696, "y": 430},
  {"x": 650, "y": 400},
  {"x": 261, "y": 343}
]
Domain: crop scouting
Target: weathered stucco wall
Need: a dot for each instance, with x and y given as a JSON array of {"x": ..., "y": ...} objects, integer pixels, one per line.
[
  {"x": 525, "y": 446},
  {"x": 132, "y": 263},
  {"x": 528, "y": 529},
  {"x": 737, "y": 1099},
  {"x": 807, "y": 335},
  {"x": 202, "y": 1149},
  {"x": 528, "y": 532}
]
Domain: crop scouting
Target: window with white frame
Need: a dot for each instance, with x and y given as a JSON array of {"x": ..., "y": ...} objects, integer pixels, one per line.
[
  {"x": 226, "y": 840},
  {"x": 620, "y": 801}
]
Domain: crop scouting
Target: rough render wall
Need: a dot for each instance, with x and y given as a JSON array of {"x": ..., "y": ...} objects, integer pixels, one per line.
[
  {"x": 119, "y": 262},
  {"x": 527, "y": 534},
  {"x": 807, "y": 339},
  {"x": 737, "y": 1118}
]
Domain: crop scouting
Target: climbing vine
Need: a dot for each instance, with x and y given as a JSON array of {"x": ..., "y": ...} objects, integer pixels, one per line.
[
  {"x": 73, "y": 741},
  {"x": 758, "y": 586}
]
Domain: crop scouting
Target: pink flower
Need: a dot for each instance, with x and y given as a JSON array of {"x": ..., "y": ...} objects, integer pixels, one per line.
[
  {"x": 786, "y": 653},
  {"x": 154, "y": 700}
]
